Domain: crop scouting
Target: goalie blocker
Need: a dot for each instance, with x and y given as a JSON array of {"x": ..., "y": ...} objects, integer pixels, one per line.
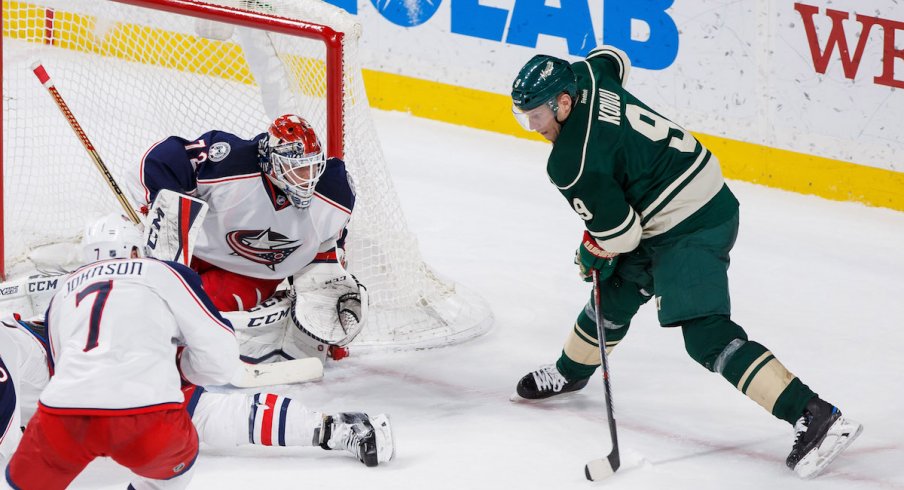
[{"x": 173, "y": 224}]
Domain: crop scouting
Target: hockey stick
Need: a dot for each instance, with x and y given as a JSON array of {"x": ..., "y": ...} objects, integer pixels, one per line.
[
  {"x": 279, "y": 373},
  {"x": 45, "y": 80},
  {"x": 604, "y": 467}
]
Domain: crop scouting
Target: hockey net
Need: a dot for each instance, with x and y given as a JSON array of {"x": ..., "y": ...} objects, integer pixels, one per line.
[{"x": 136, "y": 71}]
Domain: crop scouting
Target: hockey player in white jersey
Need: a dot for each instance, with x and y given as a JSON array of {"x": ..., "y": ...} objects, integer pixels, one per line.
[
  {"x": 9, "y": 397},
  {"x": 222, "y": 420},
  {"x": 24, "y": 372},
  {"x": 114, "y": 327},
  {"x": 277, "y": 209}
]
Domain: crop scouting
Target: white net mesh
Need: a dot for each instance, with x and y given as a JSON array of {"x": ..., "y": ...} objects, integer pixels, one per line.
[{"x": 133, "y": 76}]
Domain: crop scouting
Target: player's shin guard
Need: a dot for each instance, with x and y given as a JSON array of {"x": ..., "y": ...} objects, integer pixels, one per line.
[
  {"x": 721, "y": 346},
  {"x": 581, "y": 355},
  {"x": 227, "y": 420}
]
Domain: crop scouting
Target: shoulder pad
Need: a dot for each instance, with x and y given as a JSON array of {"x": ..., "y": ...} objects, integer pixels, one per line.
[
  {"x": 229, "y": 155},
  {"x": 618, "y": 63},
  {"x": 336, "y": 184}
]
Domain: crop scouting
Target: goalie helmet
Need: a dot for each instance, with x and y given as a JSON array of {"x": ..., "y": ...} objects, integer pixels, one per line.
[
  {"x": 112, "y": 237},
  {"x": 294, "y": 159}
]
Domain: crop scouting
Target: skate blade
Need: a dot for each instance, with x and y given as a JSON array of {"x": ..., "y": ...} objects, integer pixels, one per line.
[
  {"x": 385, "y": 438},
  {"x": 516, "y": 398},
  {"x": 839, "y": 436}
]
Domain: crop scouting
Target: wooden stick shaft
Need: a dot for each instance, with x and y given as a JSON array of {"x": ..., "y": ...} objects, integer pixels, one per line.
[{"x": 45, "y": 80}]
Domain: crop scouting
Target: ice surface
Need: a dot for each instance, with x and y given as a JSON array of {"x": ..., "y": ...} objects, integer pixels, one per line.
[{"x": 820, "y": 283}]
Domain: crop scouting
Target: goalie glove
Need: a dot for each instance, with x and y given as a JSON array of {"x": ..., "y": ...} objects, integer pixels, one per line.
[
  {"x": 328, "y": 303},
  {"x": 591, "y": 256}
]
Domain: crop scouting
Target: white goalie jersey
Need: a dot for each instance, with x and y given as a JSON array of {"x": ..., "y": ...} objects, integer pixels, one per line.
[{"x": 251, "y": 227}]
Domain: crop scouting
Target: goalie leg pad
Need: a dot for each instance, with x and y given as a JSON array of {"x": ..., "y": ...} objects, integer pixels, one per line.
[
  {"x": 29, "y": 296},
  {"x": 298, "y": 344},
  {"x": 261, "y": 331}
]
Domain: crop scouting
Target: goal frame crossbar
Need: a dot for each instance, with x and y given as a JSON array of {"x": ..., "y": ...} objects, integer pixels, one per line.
[{"x": 293, "y": 27}]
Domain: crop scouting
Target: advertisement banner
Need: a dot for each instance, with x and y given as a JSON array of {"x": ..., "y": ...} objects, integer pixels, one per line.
[{"x": 819, "y": 77}]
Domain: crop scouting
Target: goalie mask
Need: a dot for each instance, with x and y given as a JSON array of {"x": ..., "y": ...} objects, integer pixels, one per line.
[
  {"x": 112, "y": 237},
  {"x": 294, "y": 159}
]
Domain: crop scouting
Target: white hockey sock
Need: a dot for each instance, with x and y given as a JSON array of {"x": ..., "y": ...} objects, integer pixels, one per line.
[{"x": 275, "y": 420}]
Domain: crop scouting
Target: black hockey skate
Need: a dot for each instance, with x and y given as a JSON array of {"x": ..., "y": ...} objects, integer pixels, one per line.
[
  {"x": 544, "y": 383},
  {"x": 368, "y": 439},
  {"x": 822, "y": 433}
]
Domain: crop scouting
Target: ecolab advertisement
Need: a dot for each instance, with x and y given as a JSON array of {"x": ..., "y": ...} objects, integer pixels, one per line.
[{"x": 822, "y": 77}]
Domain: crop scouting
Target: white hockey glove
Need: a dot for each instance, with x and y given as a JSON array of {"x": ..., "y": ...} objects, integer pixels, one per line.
[{"x": 329, "y": 304}]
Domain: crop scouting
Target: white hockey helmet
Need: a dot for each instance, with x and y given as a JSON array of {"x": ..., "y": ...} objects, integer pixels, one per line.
[
  {"x": 112, "y": 237},
  {"x": 294, "y": 159}
]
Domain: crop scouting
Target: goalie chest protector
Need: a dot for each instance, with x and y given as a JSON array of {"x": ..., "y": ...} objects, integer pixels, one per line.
[{"x": 251, "y": 227}]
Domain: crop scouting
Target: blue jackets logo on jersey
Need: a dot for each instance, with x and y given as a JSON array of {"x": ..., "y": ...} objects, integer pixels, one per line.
[
  {"x": 219, "y": 151},
  {"x": 265, "y": 247}
]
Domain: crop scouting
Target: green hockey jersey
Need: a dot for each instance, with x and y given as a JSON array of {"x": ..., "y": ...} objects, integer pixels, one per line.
[{"x": 628, "y": 172}]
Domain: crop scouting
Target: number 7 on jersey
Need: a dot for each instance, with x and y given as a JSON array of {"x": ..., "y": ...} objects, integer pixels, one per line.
[{"x": 97, "y": 309}]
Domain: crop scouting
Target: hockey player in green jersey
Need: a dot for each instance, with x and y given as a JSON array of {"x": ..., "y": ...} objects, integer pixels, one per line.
[{"x": 660, "y": 222}]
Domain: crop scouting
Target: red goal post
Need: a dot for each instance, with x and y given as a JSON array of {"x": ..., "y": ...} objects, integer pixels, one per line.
[{"x": 136, "y": 71}]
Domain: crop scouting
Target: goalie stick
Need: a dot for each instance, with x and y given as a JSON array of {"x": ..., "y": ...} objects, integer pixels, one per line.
[
  {"x": 603, "y": 467},
  {"x": 278, "y": 373},
  {"x": 45, "y": 80}
]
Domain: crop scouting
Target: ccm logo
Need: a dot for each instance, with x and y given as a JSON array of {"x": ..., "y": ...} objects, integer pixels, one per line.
[
  {"x": 48, "y": 285},
  {"x": 261, "y": 321},
  {"x": 154, "y": 231}
]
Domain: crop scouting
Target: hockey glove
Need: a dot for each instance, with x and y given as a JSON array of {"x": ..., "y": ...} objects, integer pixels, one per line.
[
  {"x": 329, "y": 304},
  {"x": 590, "y": 256}
]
